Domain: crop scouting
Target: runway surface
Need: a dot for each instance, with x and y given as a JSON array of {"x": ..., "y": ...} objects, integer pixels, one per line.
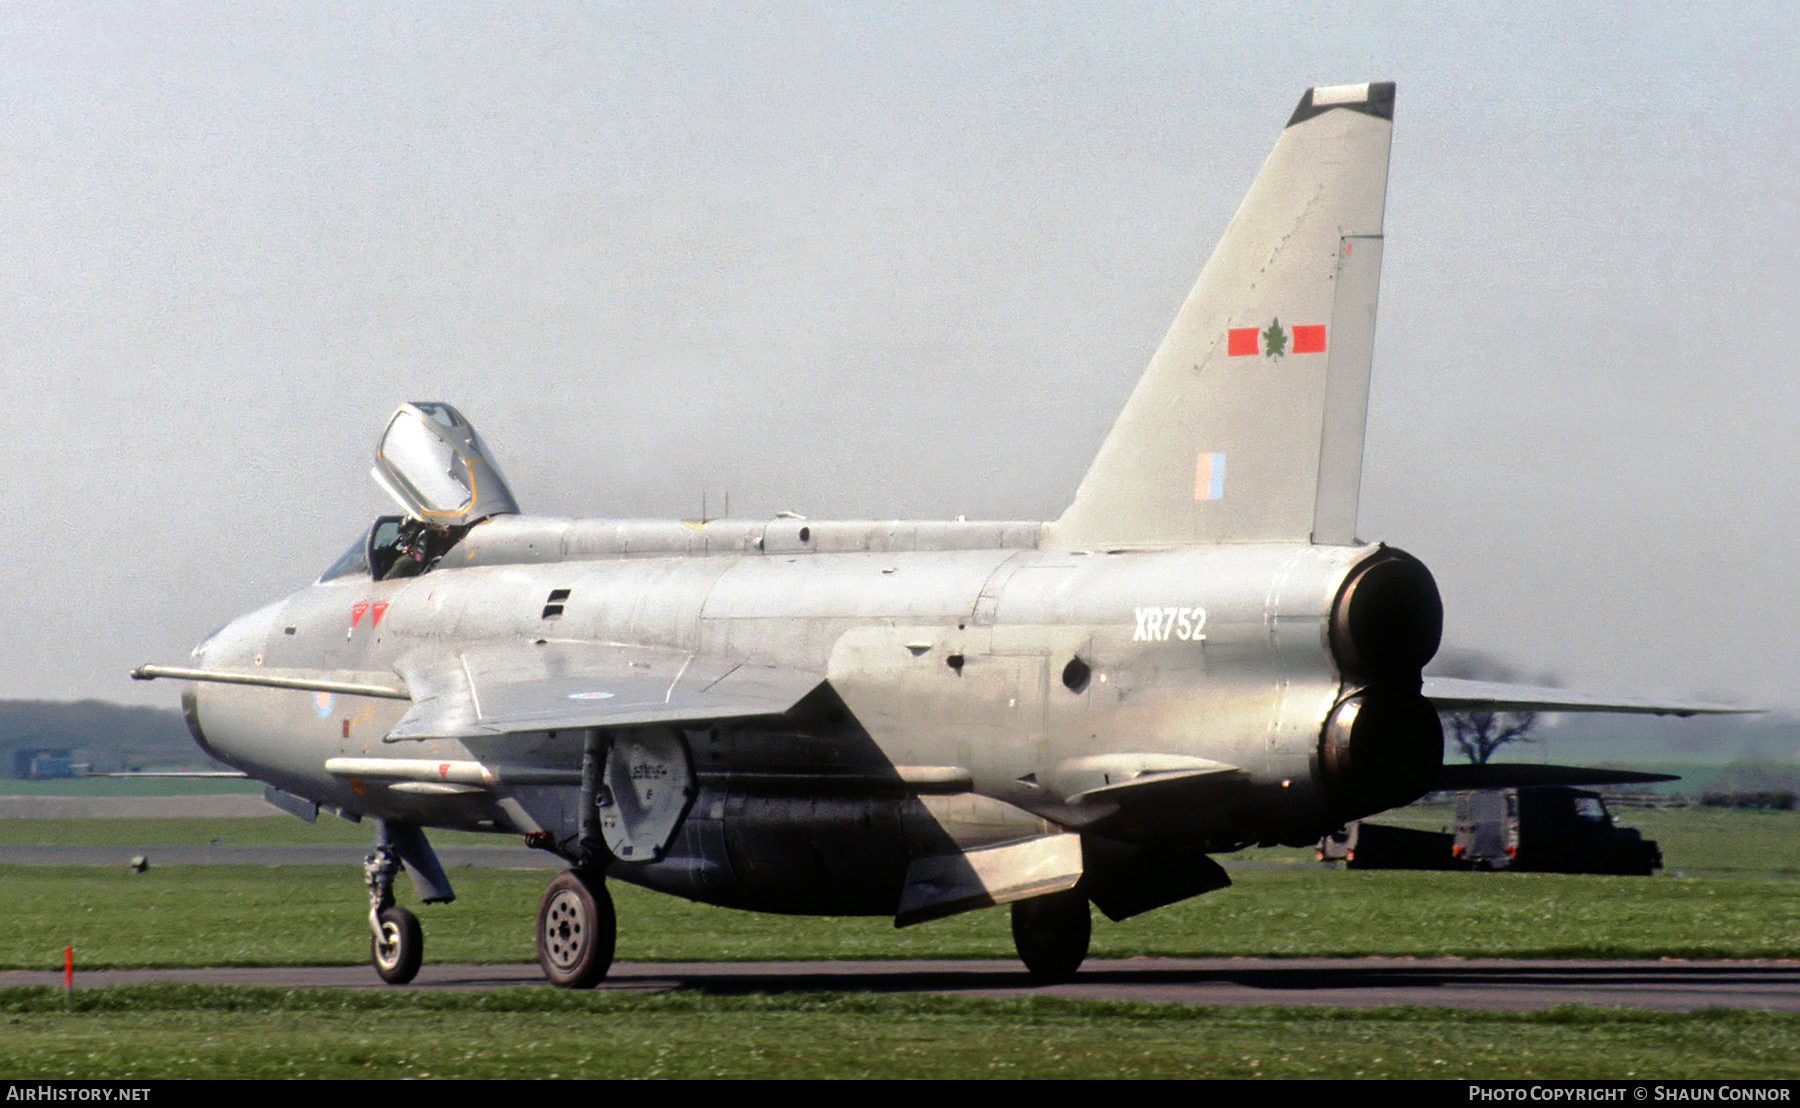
[{"x": 1349, "y": 982}]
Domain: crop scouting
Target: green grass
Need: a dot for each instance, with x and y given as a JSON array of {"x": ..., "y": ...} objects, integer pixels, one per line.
[
  {"x": 1738, "y": 900},
  {"x": 1697, "y": 841},
  {"x": 212, "y": 1032},
  {"x": 1694, "y": 841},
  {"x": 308, "y": 915}
]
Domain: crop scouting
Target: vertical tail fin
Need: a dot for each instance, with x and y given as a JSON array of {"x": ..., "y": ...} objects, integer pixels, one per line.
[{"x": 1248, "y": 424}]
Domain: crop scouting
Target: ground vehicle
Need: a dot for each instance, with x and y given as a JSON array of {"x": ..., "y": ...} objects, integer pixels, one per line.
[{"x": 1546, "y": 829}]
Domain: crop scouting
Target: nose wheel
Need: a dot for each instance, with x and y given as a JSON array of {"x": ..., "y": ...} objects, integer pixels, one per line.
[
  {"x": 576, "y": 930},
  {"x": 396, "y": 941},
  {"x": 398, "y": 945},
  {"x": 1051, "y": 934}
]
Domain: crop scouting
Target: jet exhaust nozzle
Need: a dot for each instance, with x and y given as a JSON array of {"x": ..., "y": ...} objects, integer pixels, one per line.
[
  {"x": 1381, "y": 749},
  {"x": 1387, "y": 620},
  {"x": 1383, "y": 745}
]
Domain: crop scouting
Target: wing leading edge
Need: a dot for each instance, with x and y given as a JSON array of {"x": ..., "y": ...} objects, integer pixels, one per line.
[
  {"x": 497, "y": 690},
  {"x": 1452, "y": 694},
  {"x": 489, "y": 691}
]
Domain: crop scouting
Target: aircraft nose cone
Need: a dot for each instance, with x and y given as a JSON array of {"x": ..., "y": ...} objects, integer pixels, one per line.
[
  {"x": 240, "y": 643},
  {"x": 190, "y": 713},
  {"x": 236, "y": 646}
]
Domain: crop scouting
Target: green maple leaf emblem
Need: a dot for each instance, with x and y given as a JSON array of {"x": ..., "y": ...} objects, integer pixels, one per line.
[{"x": 1274, "y": 340}]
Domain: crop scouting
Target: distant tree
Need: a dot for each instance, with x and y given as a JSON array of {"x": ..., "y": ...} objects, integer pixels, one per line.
[
  {"x": 107, "y": 736},
  {"x": 1479, "y": 734}
]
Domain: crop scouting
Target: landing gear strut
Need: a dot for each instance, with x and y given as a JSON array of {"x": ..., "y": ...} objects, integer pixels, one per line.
[
  {"x": 397, "y": 943},
  {"x": 1051, "y": 934},
  {"x": 576, "y": 930}
]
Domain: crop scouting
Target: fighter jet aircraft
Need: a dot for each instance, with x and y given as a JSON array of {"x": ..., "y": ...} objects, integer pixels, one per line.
[{"x": 902, "y": 719}]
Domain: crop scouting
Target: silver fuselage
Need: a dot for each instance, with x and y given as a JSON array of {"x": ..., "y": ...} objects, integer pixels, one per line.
[{"x": 1009, "y": 671}]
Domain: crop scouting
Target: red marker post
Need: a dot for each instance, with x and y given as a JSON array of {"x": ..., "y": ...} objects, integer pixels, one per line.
[{"x": 69, "y": 970}]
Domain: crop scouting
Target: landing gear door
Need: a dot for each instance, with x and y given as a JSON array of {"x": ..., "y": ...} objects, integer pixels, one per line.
[
  {"x": 431, "y": 461},
  {"x": 649, "y": 789}
]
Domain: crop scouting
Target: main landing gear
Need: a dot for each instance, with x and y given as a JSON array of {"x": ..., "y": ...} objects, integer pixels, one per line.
[
  {"x": 624, "y": 814},
  {"x": 1051, "y": 934},
  {"x": 576, "y": 930}
]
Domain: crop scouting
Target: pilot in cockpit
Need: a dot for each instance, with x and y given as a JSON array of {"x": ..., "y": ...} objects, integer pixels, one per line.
[{"x": 417, "y": 547}]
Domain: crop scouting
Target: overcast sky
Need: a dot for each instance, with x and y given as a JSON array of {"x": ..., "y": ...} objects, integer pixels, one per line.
[{"x": 874, "y": 261}]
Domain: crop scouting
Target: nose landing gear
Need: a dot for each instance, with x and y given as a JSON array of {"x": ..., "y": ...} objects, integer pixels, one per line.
[
  {"x": 398, "y": 946},
  {"x": 397, "y": 943}
]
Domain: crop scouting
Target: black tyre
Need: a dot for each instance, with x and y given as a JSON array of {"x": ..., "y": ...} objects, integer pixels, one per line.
[
  {"x": 1051, "y": 934},
  {"x": 398, "y": 948},
  {"x": 576, "y": 931}
]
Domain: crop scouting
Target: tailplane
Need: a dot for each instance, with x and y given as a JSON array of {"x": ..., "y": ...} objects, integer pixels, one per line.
[{"x": 1248, "y": 424}]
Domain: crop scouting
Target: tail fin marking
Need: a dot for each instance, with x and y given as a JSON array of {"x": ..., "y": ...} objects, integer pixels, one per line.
[{"x": 1264, "y": 373}]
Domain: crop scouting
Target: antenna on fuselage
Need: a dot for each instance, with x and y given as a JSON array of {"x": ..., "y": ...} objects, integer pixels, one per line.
[{"x": 704, "y": 518}]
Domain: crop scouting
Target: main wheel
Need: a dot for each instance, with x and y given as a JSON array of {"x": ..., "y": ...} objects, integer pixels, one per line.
[
  {"x": 576, "y": 930},
  {"x": 398, "y": 946},
  {"x": 1051, "y": 934}
]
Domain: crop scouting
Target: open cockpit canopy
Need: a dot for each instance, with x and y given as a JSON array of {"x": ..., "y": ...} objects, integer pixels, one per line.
[
  {"x": 433, "y": 463},
  {"x": 435, "y": 466}
]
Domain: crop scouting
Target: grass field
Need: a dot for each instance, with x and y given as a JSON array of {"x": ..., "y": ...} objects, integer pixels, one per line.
[
  {"x": 1737, "y": 897},
  {"x": 305, "y": 915},
  {"x": 210, "y": 1032},
  {"x": 1695, "y": 841}
]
